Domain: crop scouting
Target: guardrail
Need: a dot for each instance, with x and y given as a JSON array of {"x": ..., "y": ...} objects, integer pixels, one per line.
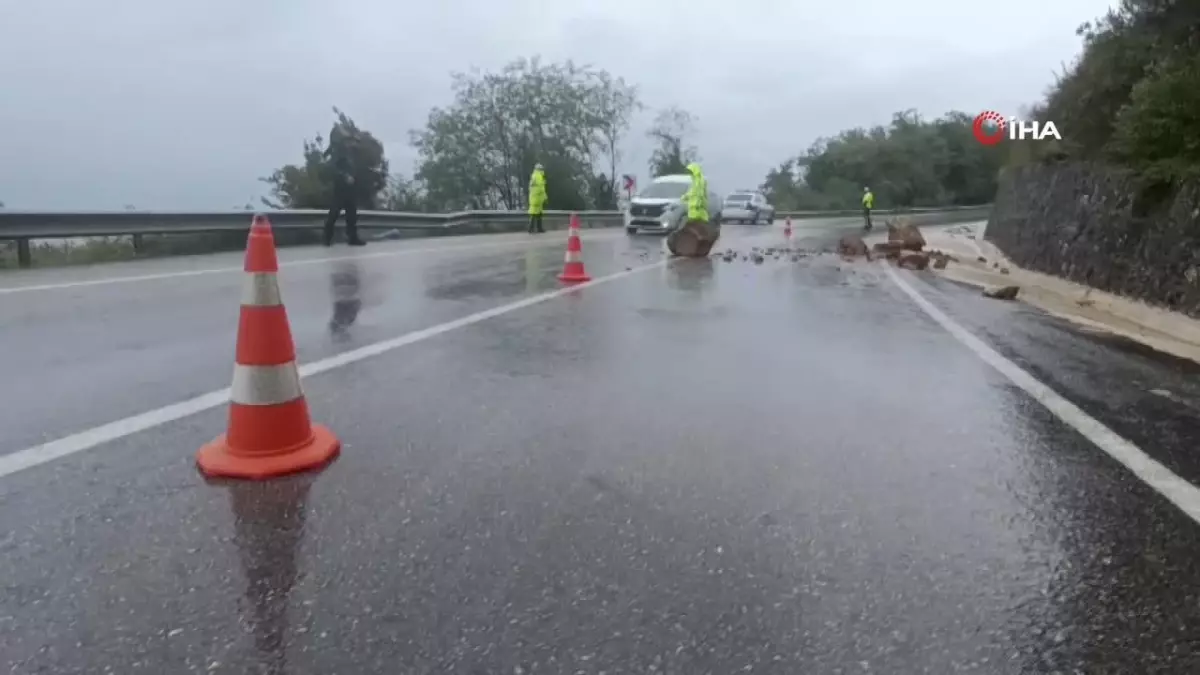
[
  {"x": 912, "y": 211},
  {"x": 22, "y": 226}
]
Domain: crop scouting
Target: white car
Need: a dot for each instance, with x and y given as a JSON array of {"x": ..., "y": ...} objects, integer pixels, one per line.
[
  {"x": 659, "y": 206},
  {"x": 747, "y": 206}
]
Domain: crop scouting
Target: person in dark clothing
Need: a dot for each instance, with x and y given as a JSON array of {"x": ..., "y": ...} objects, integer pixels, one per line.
[{"x": 340, "y": 154}]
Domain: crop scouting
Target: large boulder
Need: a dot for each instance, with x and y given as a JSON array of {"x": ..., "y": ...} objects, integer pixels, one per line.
[
  {"x": 852, "y": 245},
  {"x": 1002, "y": 292},
  {"x": 907, "y": 234},
  {"x": 913, "y": 260},
  {"x": 693, "y": 240}
]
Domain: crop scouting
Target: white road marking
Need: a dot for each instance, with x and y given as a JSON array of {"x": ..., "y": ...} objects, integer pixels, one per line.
[
  {"x": 103, "y": 281},
  {"x": 91, "y": 438},
  {"x": 1177, "y": 490}
]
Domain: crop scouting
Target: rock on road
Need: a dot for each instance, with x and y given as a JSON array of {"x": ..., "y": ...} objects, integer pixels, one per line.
[{"x": 784, "y": 466}]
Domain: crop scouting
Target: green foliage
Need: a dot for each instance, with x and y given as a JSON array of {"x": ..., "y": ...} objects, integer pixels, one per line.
[
  {"x": 310, "y": 185},
  {"x": 1131, "y": 97},
  {"x": 479, "y": 152},
  {"x": 1157, "y": 130},
  {"x": 404, "y": 194},
  {"x": 303, "y": 186},
  {"x": 670, "y": 132},
  {"x": 911, "y": 162}
]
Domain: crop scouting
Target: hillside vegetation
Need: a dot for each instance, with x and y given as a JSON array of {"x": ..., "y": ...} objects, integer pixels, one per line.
[{"x": 1132, "y": 98}]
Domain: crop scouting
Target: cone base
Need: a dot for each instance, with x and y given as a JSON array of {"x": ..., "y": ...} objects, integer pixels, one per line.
[
  {"x": 574, "y": 278},
  {"x": 218, "y": 460}
]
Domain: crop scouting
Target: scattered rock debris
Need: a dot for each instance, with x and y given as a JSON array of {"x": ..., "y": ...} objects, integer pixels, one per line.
[{"x": 1002, "y": 292}]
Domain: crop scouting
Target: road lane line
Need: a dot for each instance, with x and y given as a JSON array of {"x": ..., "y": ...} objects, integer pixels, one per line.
[
  {"x": 1178, "y": 491},
  {"x": 6, "y": 290},
  {"x": 91, "y": 438}
]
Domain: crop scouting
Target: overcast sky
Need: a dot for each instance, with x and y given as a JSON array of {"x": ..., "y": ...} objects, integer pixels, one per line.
[{"x": 186, "y": 103}]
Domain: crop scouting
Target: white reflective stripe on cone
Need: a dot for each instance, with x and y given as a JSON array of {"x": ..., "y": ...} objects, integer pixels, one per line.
[
  {"x": 265, "y": 385},
  {"x": 261, "y": 289},
  {"x": 572, "y": 256}
]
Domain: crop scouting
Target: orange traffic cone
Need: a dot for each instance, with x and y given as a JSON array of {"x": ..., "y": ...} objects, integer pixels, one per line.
[
  {"x": 269, "y": 433},
  {"x": 573, "y": 271}
]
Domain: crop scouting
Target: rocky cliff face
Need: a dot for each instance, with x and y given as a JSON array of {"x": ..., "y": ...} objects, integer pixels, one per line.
[{"x": 1092, "y": 224}]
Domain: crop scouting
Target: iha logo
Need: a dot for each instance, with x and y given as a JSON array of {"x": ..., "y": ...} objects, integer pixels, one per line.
[{"x": 990, "y": 128}]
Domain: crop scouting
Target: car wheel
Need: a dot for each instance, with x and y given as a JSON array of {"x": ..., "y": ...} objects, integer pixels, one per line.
[
  {"x": 631, "y": 230},
  {"x": 771, "y": 218}
]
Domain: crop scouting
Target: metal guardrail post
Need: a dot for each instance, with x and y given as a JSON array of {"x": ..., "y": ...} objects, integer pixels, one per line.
[
  {"x": 24, "y": 255},
  {"x": 138, "y": 244}
]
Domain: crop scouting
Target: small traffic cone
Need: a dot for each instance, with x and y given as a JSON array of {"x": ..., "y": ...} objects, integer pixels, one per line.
[
  {"x": 269, "y": 433},
  {"x": 787, "y": 228},
  {"x": 573, "y": 271}
]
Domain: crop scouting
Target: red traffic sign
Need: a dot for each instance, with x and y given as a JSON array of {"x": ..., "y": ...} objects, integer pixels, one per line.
[{"x": 629, "y": 182}]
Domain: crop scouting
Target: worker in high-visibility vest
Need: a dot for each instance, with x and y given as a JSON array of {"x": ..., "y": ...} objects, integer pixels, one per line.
[
  {"x": 537, "y": 198},
  {"x": 868, "y": 204},
  {"x": 695, "y": 238},
  {"x": 697, "y": 196}
]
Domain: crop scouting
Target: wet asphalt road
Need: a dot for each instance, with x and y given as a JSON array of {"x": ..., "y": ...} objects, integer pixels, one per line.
[{"x": 703, "y": 467}]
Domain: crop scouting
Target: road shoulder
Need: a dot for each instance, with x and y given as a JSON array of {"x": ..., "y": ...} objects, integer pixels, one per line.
[{"x": 981, "y": 263}]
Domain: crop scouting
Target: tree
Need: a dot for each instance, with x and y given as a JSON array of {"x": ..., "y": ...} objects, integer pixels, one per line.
[
  {"x": 310, "y": 185},
  {"x": 1157, "y": 130},
  {"x": 614, "y": 103},
  {"x": 404, "y": 194},
  {"x": 1130, "y": 96},
  {"x": 304, "y": 186},
  {"x": 779, "y": 186},
  {"x": 911, "y": 162},
  {"x": 479, "y": 151},
  {"x": 671, "y": 131}
]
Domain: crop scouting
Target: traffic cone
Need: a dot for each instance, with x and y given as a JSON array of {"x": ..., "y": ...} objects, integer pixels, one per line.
[
  {"x": 573, "y": 271},
  {"x": 269, "y": 433},
  {"x": 787, "y": 228}
]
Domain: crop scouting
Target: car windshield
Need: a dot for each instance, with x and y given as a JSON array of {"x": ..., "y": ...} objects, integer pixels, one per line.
[
  {"x": 664, "y": 190},
  {"x": 735, "y": 199}
]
